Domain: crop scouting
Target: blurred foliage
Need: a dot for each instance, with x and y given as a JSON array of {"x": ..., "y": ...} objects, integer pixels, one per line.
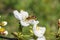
[{"x": 46, "y": 11}]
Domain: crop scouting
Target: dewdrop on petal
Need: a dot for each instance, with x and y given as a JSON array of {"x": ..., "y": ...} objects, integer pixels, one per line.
[{"x": 4, "y": 23}]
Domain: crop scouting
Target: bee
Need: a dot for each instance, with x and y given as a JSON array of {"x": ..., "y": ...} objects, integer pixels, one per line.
[{"x": 31, "y": 17}]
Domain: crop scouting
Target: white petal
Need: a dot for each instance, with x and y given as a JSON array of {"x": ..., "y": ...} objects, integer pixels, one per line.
[
  {"x": 33, "y": 22},
  {"x": 41, "y": 38},
  {"x": 17, "y": 15},
  {"x": 6, "y": 32},
  {"x": 24, "y": 23},
  {"x": 40, "y": 32},
  {"x": 24, "y": 14}
]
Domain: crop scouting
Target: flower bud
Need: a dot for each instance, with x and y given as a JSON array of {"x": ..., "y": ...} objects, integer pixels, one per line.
[{"x": 4, "y": 23}]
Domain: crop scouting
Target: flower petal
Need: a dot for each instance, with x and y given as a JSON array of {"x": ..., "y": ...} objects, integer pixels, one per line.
[
  {"x": 24, "y": 23},
  {"x": 17, "y": 15}
]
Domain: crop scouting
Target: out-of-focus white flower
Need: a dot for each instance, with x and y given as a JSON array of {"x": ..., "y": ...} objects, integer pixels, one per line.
[
  {"x": 38, "y": 31},
  {"x": 4, "y": 23},
  {"x": 6, "y": 32},
  {"x": 41, "y": 38}
]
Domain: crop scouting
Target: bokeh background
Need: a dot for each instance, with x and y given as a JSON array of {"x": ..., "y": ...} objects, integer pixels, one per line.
[{"x": 46, "y": 11}]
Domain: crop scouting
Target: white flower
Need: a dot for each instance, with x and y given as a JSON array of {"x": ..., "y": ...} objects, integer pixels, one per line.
[
  {"x": 6, "y": 32},
  {"x": 4, "y": 23},
  {"x": 22, "y": 15},
  {"x": 38, "y": 31},
  {"x": 41, "y": 38}
]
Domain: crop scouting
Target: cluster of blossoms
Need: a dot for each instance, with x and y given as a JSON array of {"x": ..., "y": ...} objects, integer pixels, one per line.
[
  {"x": 2, "y": 30},
  {"x": 27, "y": 20}
]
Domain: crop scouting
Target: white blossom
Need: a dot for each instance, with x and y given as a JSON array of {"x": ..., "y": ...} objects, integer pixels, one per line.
[
  {"x": 38, "y": 31},
  {"x": 21, "y": 16}
]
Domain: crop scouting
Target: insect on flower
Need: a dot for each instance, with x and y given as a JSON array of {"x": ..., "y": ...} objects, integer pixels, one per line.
[{"x": 31, "y": 17}]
